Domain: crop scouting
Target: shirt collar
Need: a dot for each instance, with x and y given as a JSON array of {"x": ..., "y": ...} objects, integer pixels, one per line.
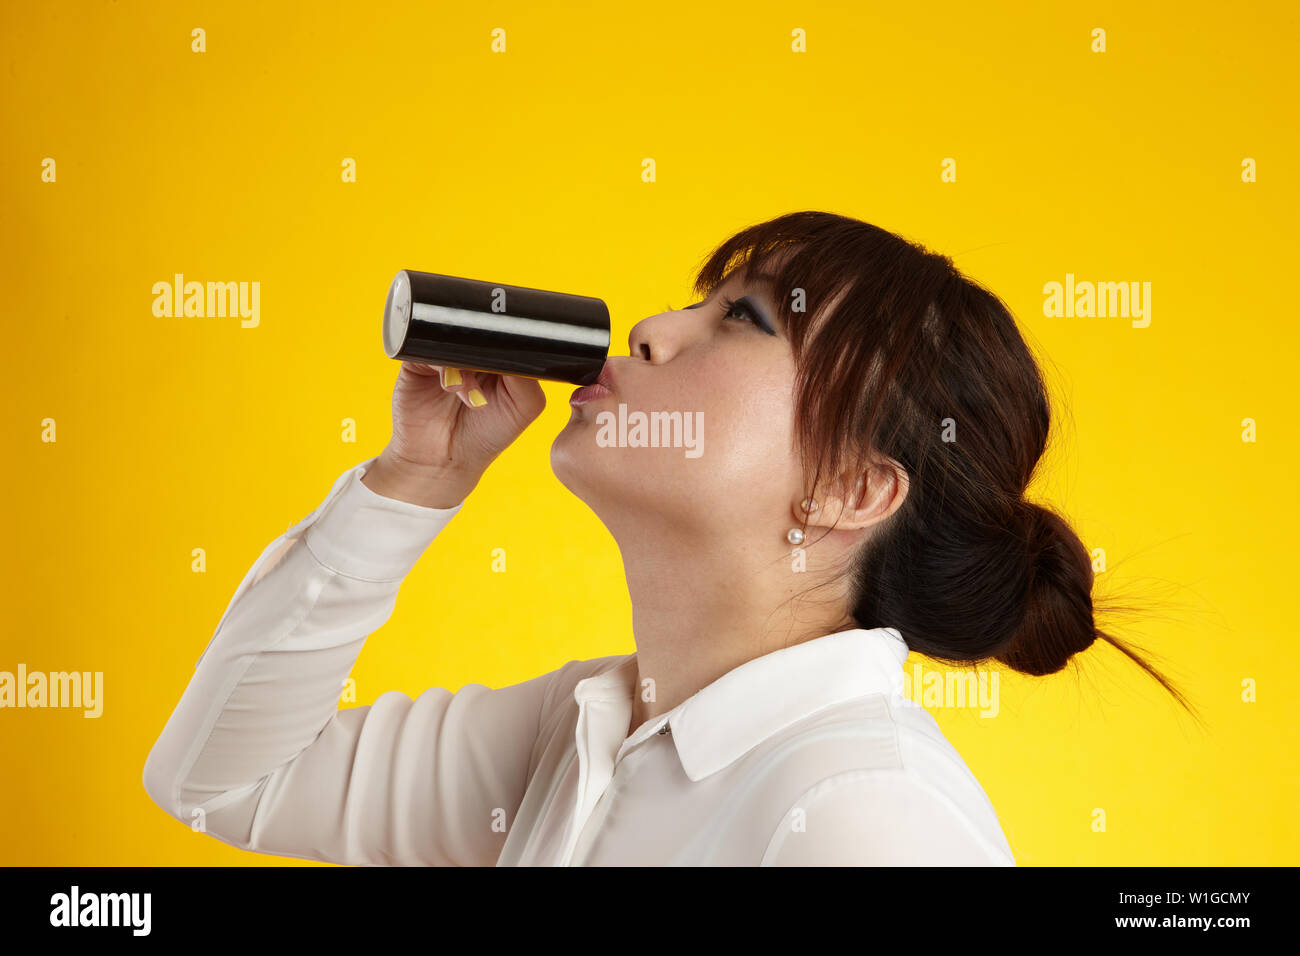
[{"x": 750, "y": 703}]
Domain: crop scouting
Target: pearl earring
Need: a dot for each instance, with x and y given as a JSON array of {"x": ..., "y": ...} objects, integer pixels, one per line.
[{"x": 796, "y": 535}]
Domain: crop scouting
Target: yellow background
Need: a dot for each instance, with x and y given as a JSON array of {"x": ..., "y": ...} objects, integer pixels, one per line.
[{"x": 524, "y": 168}]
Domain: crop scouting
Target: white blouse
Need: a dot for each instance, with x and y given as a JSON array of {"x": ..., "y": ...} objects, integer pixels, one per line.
[{"x": 809, "y": 755}]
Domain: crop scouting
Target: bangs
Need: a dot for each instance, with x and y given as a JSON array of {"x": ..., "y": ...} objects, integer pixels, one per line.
[{"x": 793, "y": 256}]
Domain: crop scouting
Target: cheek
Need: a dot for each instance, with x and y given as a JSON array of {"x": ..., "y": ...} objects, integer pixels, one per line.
[
  {"x": 742, "y": 429},
  {"x": 747, "y": 417}
]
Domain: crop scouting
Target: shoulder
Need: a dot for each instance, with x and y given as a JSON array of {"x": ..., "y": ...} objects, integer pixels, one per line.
[
  {"x": 886, "y": 788},
  {"x": 880, "y": 817}
]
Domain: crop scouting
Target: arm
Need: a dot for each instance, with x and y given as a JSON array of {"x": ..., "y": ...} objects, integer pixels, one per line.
[
  {"x": 885, "y": 817},
  {"x": 259, "y": 745}
]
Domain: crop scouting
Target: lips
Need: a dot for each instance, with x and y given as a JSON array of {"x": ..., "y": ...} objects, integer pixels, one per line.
[{"x": 603, "y": 387}]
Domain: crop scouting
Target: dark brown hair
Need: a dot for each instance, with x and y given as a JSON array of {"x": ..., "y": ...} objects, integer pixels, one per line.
[{"x": 922, "y": 365}]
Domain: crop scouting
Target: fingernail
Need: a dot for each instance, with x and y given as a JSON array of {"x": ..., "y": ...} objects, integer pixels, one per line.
[
  {"x": 452, "y": 376},
  {"x": 477, "y": 398}
]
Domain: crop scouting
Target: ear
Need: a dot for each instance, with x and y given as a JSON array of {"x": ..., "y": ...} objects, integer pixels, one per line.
[{"x": 854, "y": 502}]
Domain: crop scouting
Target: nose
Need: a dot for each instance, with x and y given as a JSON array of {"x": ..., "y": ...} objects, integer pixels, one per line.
[
  {"x": 657, "y": 338},
  {"x": 638, "y": 343}
]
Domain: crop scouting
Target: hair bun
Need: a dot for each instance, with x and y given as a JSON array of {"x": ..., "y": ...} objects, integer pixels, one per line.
[{"x": 1058, "y": 615}]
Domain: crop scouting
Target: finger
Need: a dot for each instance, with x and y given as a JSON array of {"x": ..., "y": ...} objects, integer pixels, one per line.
[
  {"x": 521, "y": 389},
  {"x": 458, "y": 381},
  {"x": 471, "y": 390},
  {"x": 422, "y": 368}
]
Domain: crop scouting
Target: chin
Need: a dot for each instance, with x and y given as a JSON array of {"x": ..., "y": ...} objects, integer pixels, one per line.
[
  {"x": 572, "y": 455},
  {"x": 595, "y": 475}
]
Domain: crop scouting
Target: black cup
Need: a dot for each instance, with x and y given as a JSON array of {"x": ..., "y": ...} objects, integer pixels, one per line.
[{"x": 493, "y": 327}]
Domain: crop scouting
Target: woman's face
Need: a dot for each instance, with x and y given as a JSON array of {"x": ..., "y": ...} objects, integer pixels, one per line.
[{"x": 727, "y": 455}]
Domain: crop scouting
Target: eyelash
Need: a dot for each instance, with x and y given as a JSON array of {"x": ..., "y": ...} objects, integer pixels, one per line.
[{"x": 734, "y": 305}]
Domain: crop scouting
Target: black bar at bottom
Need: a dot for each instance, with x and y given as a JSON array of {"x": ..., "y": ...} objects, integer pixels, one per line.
[{"x": 308, "y": 904}]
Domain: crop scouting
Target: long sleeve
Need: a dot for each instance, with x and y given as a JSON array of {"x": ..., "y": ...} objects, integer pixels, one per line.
[
  {"x": 882, "y": 817},
  {"x": 258, "y": 751}
]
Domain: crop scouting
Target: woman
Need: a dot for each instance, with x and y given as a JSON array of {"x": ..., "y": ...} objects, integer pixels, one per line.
[{"x": 871, "y": 420}]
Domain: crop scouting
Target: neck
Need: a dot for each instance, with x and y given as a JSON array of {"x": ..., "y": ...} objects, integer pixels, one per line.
[{"x": 699, "y": 611}]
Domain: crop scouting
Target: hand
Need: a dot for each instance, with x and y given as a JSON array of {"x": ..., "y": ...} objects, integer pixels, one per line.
[{"x": 441, "y": 437}]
